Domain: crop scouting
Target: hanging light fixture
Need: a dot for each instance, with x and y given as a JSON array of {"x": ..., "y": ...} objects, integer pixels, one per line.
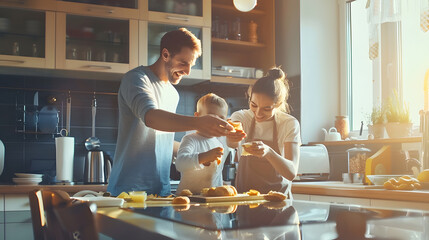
[{"x": 244, "y": 5}]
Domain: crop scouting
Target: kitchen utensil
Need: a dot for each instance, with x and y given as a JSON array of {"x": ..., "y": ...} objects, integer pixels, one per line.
[
  {"x": 68, "y": 114},
  {"x": 48, "y": 119},
  {"x": 64, "y": 147},
  {"x": 93, "y": 143},
  {"x": 97, "y": 168},
  {"x": 1, "y": 157},
  {"x": 102, "y": 201},
  {"x": 332, "y": 134}
]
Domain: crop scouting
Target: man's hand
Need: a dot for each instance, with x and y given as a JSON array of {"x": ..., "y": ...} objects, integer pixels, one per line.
[
  {"x": 208, "y": 157},
  {"x": 213, "y": 126},
  {"x": 258, "y": 149}
]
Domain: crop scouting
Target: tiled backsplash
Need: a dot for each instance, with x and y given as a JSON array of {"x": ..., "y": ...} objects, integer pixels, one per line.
[{"x": 28, "y": 152}]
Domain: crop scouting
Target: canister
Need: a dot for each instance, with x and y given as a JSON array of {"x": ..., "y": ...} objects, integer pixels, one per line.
[{"x": 357, "y": 158}]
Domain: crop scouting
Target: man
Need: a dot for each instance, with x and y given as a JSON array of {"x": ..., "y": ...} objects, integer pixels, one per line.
[{"x": 147, "y": 101}]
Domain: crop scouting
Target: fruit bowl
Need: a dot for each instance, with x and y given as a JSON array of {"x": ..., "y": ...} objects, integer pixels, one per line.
[{"x": 380, "y": 179}]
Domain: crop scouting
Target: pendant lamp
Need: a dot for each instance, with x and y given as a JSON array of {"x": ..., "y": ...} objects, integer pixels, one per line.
[{"x": 244, "y": 5}]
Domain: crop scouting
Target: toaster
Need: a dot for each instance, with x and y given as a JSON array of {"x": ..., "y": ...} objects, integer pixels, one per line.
[{"x": 313, "y": 163}]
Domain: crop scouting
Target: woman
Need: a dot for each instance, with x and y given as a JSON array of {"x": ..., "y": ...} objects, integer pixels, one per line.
[{"x": 273, "y": 137}]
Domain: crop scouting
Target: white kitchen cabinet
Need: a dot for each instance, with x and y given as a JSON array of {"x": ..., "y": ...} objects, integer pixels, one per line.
[
  {"x": 151, "y": 34},
  {"x": 30, "y": 4},
  {"x": 297, "y": 196},
  {"x": 27, "y": 38},
  {"x": 125, "y": 9},
  {"x": 88, "y": 43},
  {"x": 402, "y": 205},
  {"x": 16, "y": 202},
  {"x": 189, "y": 13},
  {"x": 341, "y": 200}
]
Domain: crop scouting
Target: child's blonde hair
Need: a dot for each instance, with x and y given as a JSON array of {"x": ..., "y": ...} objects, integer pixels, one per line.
[{"x": 211, "y": 98}]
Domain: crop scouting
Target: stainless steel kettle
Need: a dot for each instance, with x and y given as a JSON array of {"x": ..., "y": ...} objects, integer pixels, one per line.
[{"x": 97, "y": 167}]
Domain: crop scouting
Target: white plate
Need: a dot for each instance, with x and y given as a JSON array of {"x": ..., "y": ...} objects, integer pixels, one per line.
[
  {"x": 102, "y": 201},
  {"x": 24, "y": 181},
  {"x": 27, "y": 179},
  {"x": 28, "y": 175}
]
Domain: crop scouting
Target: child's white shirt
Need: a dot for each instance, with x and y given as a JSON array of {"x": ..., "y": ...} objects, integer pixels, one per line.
[{"x": 196, "y": 176}]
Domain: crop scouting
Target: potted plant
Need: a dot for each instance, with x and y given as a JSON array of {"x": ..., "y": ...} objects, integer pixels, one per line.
[
  {"x": 398, "y": 117},
  {"x": 377, "y": 121}
]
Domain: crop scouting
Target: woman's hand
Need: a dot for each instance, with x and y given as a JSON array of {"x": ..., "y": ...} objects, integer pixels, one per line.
[
  {"x": 235, "y": 137},
  {"x": 208, "y": 157},
  {"x": 258, "y": 149}
]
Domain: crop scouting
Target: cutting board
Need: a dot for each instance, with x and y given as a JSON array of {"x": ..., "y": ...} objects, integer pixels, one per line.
[
  {"x": 336, "y": 184},
  {"x": 238, "y": 197}
]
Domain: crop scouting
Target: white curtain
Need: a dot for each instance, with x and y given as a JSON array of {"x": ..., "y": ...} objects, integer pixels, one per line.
[
  {"x": 378, "y": 12},
  {"x": 424, "y": 15}
]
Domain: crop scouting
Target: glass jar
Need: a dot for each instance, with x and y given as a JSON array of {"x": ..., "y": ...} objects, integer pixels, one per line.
[
  {"x": 342, "y": 126},
  {"x": 357, "y": 158}
]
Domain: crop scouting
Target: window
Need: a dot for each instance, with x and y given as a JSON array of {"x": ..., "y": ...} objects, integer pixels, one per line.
[{"x": 401, "y": 62}]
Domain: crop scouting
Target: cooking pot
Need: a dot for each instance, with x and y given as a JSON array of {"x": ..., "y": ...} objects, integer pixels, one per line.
[{"x": 332, "y": 134}]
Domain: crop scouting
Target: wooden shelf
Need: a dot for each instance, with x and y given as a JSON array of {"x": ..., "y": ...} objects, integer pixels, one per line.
[
  {"x": 217, "y": 42},
  {"x": 374, "y": 141},
  {"x": 234, "y": 80}
]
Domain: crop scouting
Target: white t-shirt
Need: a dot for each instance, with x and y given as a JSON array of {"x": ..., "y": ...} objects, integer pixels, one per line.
[
  {"x": 287, "y": 127},
  {"x": 196, "y": 176}
]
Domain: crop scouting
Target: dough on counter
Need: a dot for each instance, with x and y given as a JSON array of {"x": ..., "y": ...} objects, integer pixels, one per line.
[
  {"x": 222, "y": 191},
  {"x": 181, "y": 200},
  {"x": 275, "y": 196},
  {"x": 185, "y": 192}
]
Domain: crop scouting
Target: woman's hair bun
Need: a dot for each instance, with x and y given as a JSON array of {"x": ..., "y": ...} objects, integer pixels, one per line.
[{"x": 276, "y": 73}]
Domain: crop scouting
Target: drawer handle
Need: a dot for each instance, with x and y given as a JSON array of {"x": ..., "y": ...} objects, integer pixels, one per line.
[
  {"x": 101, "y": 10},
  {"x": 98, "y": 66},
  {"x": 178, "y": 18},
  {"x": 13, "y": 61}
]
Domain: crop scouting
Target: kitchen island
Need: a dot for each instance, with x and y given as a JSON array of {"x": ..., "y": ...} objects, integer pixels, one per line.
[
  {"x": 259, "y": 220},
  {"x": 367, "y": 195}
]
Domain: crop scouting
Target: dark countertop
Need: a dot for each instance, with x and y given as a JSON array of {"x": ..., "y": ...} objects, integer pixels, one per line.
[
  {"x": 16, "y": 189},
  {"x": 261, "y": 220}
]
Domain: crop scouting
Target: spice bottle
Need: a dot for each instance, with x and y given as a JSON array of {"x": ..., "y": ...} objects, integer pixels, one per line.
[{"x": 342, "y": 126}]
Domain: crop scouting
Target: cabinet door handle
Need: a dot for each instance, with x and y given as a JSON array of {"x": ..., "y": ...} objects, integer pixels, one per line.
[
  {"x": 98, "y": 66},
  {"x": 178, "y": 18},
  {"x": 101, "y": 10},
  {"x": 13, "y": 61}
]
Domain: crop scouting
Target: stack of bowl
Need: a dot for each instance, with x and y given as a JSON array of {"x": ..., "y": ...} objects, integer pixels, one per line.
[{"x": 27, "y": 179}]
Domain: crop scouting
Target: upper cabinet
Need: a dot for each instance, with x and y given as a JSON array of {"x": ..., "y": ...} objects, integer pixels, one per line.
[
  {"x": 180, "y": 12},
  {"x": 128, "y": 9},
  {"x": 150, "y": 47},
  {"x": 242, "y": 41},
  {"x": 118, "y": 35},
  {"x": 27, "y": 38},
  {"x": 96, "y": 44}
]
